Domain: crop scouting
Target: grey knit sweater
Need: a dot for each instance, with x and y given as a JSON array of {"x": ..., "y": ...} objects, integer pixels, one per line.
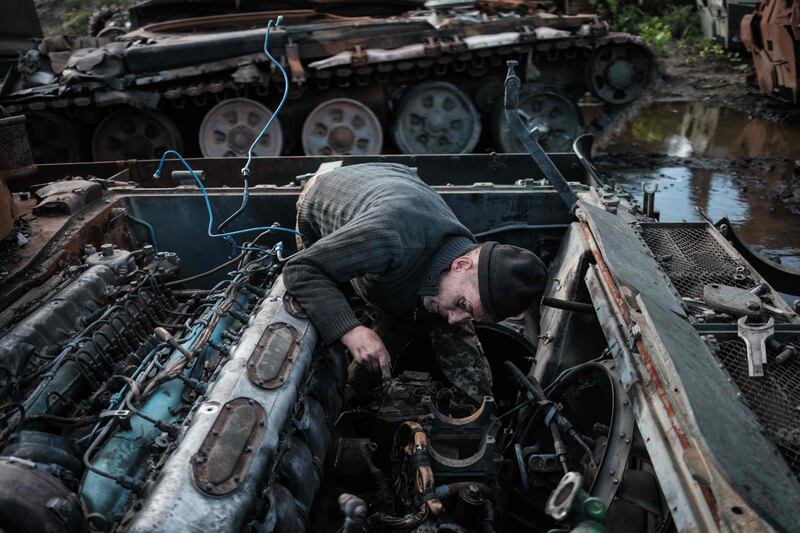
[{"x": 379, "y": 227}]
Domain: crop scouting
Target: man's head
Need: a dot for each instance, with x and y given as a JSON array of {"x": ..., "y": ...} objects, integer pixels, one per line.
[{"x": 489, "y": 283}]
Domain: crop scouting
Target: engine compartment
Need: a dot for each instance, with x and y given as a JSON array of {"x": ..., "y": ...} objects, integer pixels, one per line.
[
  {"x": 155, "y": 379},
  {"x": 143, "y": 393}
]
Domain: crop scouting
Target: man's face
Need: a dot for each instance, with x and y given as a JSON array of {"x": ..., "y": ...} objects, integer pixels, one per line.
[{"x": 458, "y": 298}]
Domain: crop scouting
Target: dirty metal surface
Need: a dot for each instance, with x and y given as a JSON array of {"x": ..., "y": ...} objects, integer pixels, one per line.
[
  {"x": 781, "y": 278},
  {"x": 733, "y": 436},
  {"x": 54, "y": 241},
  {"x": 222, "y": 461},
  {"x": 67, "y": 197},
  {"x": 694, "y": 391},
  {"x": 462, "y": 169},
  {"x": 773, "y": 398},
  {"x": 273, "y": 356},
  {"x": 737, "y": 302}
]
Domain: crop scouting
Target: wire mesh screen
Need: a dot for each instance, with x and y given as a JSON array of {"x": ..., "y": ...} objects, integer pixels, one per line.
[
  {"x": 773, "y": 398},
  {"x": 694, "y": 259}
]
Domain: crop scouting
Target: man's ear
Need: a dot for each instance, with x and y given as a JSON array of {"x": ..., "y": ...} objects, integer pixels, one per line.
[{"x": 461, "y": 264}]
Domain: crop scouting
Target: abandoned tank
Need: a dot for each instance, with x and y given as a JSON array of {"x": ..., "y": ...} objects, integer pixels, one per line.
[
  {"x": 409, "y": 78},
  {"x": 156, "y": 378}
]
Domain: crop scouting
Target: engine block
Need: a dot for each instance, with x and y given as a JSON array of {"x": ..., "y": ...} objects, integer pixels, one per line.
[{"x": 260, "y": 429}]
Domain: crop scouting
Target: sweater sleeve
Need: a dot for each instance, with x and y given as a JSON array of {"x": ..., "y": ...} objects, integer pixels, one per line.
[{"x": 360, "y": 247}]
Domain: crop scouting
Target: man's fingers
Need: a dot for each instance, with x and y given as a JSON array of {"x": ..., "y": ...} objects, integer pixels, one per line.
[{"x": 366, "y": 360}]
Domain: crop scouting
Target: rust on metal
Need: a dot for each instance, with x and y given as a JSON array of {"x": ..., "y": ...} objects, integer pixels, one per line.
[
  {"x": 772, "y": 34},
  {"x": 625, "y": 311},
  {"x": 648, "y": 363},
  {"x": 221, "y": 463},
  {"x": 273, "y": 356},
  {"x": 295, "y": 65}
]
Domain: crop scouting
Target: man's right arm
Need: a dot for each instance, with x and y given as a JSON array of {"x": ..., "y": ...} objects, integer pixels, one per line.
[{"x": 314, "y": 275}]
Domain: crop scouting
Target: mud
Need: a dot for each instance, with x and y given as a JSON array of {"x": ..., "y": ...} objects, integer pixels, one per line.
[
  {"x": 711, "y": 161},
  {"x": 717, "y": 80}
]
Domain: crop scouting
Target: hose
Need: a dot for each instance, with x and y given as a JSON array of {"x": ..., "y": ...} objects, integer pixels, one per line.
[
  {"x": 535, "y": 390},
  {"x": 246, "y": 168},
  {"x": 206, "y": 273},
  {"x": 148, "y": 226}
]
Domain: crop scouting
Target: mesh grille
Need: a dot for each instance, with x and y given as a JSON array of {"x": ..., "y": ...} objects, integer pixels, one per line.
[
  {"x": 774, "y": 398},
  {"x": 697, "y": 259}
]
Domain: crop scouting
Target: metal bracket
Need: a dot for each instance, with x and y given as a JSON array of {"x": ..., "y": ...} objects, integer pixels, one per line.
[
  {"x": 295, "y": 66},
  {"x": 529, "y": 139}
]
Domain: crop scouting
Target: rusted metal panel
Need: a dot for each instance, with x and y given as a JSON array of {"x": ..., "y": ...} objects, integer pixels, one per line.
[
  {"x": 274, "y": 356},
  {"x": 222, "y": 461},
  {"x": 7, "y": 210},
  {"x": 771, "y": 35}
]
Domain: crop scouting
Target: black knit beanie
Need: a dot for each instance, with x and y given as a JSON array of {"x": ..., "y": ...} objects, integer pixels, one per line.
[{"x": 510, "y": 279}]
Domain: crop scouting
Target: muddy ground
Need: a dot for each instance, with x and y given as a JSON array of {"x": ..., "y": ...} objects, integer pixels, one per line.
[{"x": 728, "y": 81}]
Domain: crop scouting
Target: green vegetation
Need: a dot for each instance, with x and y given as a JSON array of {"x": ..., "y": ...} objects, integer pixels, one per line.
[
  {"x": 665, "y": 24},
  {"x": 658, "y": 22}
]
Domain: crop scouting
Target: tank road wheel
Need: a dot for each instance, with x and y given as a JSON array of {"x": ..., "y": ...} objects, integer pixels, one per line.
[
  {"x": 619, "y": 73},
  {"x": 436, "y": 118},
  {"x": 231, "y": 126},
  {"x": 52, "y": 138},
  {"x": 558, "y": 118},
  {"x": 342, "y": 126},
  {"x": 132, "y": 134}
]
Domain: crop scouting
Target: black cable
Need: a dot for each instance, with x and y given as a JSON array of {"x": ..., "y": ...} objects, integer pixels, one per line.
[
  {"x": 236, "y": 213},
  {"x": 206, "y": 273}
]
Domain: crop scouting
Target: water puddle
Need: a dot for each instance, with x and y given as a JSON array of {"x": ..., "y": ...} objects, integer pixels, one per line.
[{"x": 721, "y": 162}]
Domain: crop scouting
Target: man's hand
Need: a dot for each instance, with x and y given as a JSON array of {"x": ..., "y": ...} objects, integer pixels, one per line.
[{"x": 368, "y": 350}]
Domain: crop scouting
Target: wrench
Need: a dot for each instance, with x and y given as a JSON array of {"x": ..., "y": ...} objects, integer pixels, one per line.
[{"x": 755, "y": 338}]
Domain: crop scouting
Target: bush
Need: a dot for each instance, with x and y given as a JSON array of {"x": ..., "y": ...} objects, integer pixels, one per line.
[
  {"x": 657, "y": 22},
  {"x": 657, "y": 33}
]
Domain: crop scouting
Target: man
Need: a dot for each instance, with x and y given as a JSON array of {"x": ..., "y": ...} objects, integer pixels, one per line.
[{"x": 379, "y": 227}]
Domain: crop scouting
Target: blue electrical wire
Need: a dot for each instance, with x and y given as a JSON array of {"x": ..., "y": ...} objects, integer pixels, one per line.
[
  {"x": 246, "y": 168},
  {"x": 149, "y": 228},
  {"x": 211, "y": 233}
]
